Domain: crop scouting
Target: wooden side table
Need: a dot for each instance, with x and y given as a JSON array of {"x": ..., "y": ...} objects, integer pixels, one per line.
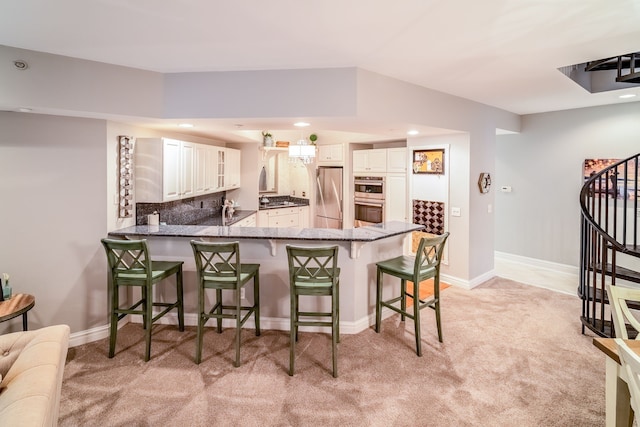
[{"x": 17, "y": 305}]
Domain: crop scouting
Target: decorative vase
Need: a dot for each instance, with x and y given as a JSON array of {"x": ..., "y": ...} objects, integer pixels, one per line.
[
  {"x": 6, "y": 291},
  {"x": 268, "y": 141}
]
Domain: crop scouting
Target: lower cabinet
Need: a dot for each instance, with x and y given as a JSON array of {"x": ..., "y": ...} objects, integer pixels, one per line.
[
  {"x": 249, "y": 221},
  {"x": 284, "y": 217}
]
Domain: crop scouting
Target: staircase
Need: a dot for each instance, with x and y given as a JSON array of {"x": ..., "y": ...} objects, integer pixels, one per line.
[{"x": 609, "y": 245}]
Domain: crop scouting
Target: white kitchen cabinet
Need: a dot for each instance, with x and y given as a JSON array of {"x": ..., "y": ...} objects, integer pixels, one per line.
[
  {"x": 164, "y": 170},
  {"x": 304, "y": 217},
  {"x": 397, "y": 160},
  {"x": 249, "y": 221},
  {"x": 201, "y": 169},
  {"x": 396, "y": 201},
  {"x": 368, "y": 161},
  {"x": 220, "y": 168},
  {"x": 211, "y": 169},
  {"x": 263, "y": 218},
  {"x": 187, "y": 171},
  {"x": 283, "y": 217},
  {"x": 331, "y": 154},
  {"x": 232, "y": 168}
]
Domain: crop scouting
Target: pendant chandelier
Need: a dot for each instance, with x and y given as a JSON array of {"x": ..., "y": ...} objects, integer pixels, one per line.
[{"x": 302, "y": 150}]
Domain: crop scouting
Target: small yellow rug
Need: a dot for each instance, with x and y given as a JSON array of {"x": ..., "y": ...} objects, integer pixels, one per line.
[{"x": 426, "y": 289}]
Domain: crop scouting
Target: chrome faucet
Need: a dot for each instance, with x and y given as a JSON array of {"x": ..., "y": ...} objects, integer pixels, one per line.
[
  {"x": 227, "y": 210},
  {"x": 224, "y": 214}
]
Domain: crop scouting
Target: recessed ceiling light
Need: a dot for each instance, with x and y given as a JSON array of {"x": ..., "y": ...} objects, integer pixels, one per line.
[
  {"x": 20, "y": 64},
  {"x": 301, "y": 124},
  {"x": 185, "y": 125},
  {"x": 413, "y": 132},
  {"x": 627, "y": 95}
]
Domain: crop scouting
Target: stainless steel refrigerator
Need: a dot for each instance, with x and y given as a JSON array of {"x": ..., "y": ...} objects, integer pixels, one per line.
[{"x": 329, "y": 197}]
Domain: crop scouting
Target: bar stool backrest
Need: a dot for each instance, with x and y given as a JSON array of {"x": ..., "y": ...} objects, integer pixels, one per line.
[
  {"x": 218, "y": 261},
  {"x": 429, "y": 255},
  {"x": 128, "y": 260},
  {"x": 313, "y": 265}
]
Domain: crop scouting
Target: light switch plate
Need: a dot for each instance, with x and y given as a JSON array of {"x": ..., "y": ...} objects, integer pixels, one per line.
[{"x": 455, "y": 211}]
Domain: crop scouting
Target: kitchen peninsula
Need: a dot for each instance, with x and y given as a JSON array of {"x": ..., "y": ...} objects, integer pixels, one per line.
[{"x": 360, "y": 249}]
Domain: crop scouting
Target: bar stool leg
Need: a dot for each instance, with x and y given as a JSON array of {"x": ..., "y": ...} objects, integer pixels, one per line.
[
  {"x": 256, "y": 301},
  {"x": 416, "y": 318},
  {"x": 148, "y": 321},
  {"x": 334, "y": 334},
  {"x": 238, "y": 317},
  {"x": 378, "y": 300},
  {"x": 338, "y": 309},
  {"x": 436, "y": 284},
  {"x": 403, "y": 294},
  {"x": 180, "y": 299},
  {"x": 293, "y": 331},
  {"x": 219, "y": 310},
  {"x": 201, "y": 321},
  {"x": 113, "y": 320}
]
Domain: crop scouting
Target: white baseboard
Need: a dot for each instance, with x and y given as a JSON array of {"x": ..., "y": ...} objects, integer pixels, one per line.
[
  {"x": 530, "y": 271},
  {"x": 467, "y": 284},
  {"x": 536, "y": 272}
]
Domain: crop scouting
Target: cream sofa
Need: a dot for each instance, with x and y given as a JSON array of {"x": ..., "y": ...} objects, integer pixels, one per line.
[{"x": 31, "y": 366}]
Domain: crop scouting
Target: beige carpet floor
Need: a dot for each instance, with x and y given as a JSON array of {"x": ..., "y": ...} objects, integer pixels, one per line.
[{"x": 513, "y": 355}]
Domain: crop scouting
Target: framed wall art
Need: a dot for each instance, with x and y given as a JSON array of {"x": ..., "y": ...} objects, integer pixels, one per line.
[{"x": 428, "y": 161}]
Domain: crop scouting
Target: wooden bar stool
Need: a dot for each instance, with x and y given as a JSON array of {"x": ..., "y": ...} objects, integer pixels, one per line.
[
  {"x": 130, "y": 265},
  {"x": 218, "y": 267},
  {"x": 314, "y": 271},
  {"x": 425, "y": 265}
]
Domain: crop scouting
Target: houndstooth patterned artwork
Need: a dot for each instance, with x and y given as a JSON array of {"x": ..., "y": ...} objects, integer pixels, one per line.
[{"x": 430, "y": 214}]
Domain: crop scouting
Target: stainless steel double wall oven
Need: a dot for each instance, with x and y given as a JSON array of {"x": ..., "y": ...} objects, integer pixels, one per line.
[{"x": 369, "y": 196}]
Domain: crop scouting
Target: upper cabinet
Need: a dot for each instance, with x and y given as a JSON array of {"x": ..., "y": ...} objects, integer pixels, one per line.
[
  {"x": 201, "y": 169},
  {"x": 232, "y": 168},
  {"x": 397, "y": 160},
  {"x": 370, "y": 161},
  {"x": 220, "y": 158},
  {"x": 164, "y": 170},
  {"x": 169, "y": 169},
  {"x": 331, "y": 154},
  {"x": 211, "y": 168}
]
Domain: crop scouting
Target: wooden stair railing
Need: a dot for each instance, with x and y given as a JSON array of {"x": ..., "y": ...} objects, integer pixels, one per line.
[{"x": 609, "y": 246}]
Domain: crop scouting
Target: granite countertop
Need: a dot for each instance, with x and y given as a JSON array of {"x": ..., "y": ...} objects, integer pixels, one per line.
[
  {"x": 277, "y": 205},
  {"x": 361, "y": 234},
  {"x": 277, "y": 202},
  {"x": 238, "y": 215}
]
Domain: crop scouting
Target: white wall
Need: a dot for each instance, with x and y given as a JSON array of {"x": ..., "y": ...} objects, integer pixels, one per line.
[
  {"x": 456, "y": 186},
  {"x": 540, "y": 218},
  {"x": 58, "y": 180},
  {"x": 53, "y": 185}
]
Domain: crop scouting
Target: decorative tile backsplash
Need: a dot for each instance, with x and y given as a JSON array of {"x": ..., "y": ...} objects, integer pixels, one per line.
[
  {"x": 430, "y": 214},
  {"x": 182, "y": 212}
]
